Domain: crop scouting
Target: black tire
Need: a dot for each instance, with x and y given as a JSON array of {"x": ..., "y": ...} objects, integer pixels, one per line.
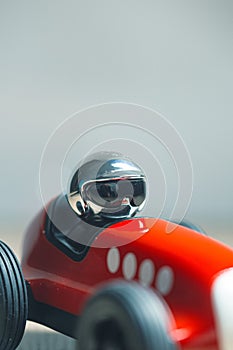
[
  {"x": 13, "y": 300},
  {"x": 192, "y": 226},
  {"x": 125, "y": 316}
]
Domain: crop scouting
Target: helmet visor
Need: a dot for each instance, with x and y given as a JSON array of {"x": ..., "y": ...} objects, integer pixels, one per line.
[{"x": 112, "y": 194}]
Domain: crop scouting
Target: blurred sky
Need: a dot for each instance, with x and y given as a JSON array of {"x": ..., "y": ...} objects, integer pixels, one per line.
[{"x": 58, "y": 57}]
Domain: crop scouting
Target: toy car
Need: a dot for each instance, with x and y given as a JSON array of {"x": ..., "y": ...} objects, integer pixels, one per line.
[{"x": 134, "y": 287}]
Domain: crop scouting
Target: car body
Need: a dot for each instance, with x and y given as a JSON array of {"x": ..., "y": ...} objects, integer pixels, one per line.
[{"x": 191, "y": 272}]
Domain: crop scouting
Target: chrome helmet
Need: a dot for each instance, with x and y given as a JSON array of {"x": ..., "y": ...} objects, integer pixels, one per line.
[{"x": 109, "y": 185}]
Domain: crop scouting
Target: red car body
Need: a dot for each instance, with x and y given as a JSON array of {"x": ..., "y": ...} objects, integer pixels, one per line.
[{"x": 183, "y": 266}]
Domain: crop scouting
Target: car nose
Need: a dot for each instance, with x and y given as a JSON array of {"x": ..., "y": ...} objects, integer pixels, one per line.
[{"x": 222, "y": 301}]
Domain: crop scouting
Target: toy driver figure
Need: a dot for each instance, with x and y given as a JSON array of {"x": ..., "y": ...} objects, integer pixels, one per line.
[{"x": 106, "y": 188}]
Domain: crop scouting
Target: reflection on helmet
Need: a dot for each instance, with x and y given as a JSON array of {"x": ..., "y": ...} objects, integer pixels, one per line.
[{"x": 109, "y": 185}]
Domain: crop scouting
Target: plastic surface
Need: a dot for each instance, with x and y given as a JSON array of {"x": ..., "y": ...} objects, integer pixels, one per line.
[
  {"x": 181, "y": 266},
  {"x": 13, "y": 300}
]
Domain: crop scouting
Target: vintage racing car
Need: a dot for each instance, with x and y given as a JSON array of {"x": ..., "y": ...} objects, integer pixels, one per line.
[{"x": 131, "y": 286}]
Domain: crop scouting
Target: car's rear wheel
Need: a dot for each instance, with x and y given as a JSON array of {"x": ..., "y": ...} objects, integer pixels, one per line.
[
  {"x": 13, "y": 300},
  {"x": 125, "y": 316}
]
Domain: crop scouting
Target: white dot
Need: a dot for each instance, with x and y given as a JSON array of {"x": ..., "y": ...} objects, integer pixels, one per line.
[
  {"x": 113, "y": 260},
  {"x": 146, "y": 272},
  {"x": 129, "y": 266},
  {"x": 165, "y": 280}
]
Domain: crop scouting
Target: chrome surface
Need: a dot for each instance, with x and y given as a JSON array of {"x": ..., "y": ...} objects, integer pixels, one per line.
[{"x": 108, "y": 184}]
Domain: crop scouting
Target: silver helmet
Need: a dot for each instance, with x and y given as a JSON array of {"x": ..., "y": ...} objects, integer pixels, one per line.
[{"x": 108, "y": 184}]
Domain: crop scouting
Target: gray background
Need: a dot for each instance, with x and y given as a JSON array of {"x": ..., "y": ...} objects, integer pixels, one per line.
[{"x": 60, "y": 56}]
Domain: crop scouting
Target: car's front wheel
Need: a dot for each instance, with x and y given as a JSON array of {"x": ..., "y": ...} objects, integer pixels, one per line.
[
  {"x": 125, "y": 316},
  {"x": 192, "y": 226}
]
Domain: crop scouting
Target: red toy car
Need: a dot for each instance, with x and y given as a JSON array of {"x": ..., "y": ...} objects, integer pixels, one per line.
[{"x": 134, "y": 287}]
